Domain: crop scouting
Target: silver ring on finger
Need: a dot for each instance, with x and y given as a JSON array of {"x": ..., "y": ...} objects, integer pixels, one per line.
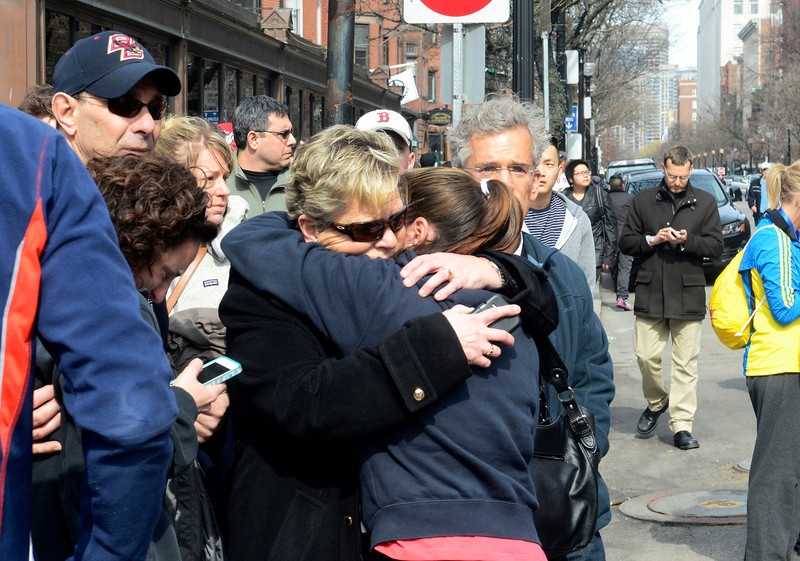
[{"x": 449, "y": 272}]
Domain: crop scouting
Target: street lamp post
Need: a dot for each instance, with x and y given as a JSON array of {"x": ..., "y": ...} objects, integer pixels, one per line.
[
  {"x": 713, "y": 158},
  {"x": 588, "y": 72},
  {"x": 722, "y": 161}
]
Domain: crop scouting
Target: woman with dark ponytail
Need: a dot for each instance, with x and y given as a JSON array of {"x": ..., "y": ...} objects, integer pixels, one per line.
[
  {"x": 467, "y": 215},
  {"x": 452, "y": 481}
]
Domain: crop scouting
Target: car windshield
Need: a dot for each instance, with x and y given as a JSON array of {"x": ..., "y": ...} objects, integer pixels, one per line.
[
  {"x": 636, "y": 185},
  {"x": 703, "y": 181},
  {"x": 707, "y": 183},
  {"x": 622, "y": 170}
]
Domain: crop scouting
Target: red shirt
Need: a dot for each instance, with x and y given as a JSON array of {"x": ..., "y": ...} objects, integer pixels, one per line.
[{"x": 462, "y": 548}]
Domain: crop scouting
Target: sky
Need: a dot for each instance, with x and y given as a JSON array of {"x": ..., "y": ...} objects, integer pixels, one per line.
[{"x": 680, "y": 17}]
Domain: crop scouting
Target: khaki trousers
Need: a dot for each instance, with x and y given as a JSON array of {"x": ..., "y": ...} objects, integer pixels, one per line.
[{"x": 650, "y": 340}]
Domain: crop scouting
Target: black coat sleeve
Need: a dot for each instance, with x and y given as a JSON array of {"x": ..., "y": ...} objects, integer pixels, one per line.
[
  {"x": 528, "y": 286},
  {"x": 292, "y": 378},
  {"x": 633, "y": 242},
  {"x": 610, "y": 224}
]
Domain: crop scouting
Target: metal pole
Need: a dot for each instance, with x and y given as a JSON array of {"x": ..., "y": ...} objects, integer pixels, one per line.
[
  {"x": 458, "y": 72},
  {"x": 339, "y": 97},
  {"x": 581, "y": 120},
  {"x": 522, "y": 49},
  {"x": 546, "y": 85}
]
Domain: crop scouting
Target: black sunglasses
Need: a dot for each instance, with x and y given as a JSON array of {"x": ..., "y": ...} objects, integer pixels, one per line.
[
  {"x": 129, "y": 106},
  {"x": 374, "y": 230}
]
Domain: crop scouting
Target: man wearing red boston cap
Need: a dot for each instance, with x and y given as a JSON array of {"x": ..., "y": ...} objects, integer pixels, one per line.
[{"x": 110, "y": 96}]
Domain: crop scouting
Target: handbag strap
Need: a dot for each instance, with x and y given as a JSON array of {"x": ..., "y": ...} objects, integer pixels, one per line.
[
  {"x": 185, "y": 278},
  {"x": 553, "y": 371}
]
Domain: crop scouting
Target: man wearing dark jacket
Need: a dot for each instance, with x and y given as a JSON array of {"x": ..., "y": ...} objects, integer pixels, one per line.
[
  {"x": 671, "y": 229},
  {"x": 620, "y": 203}
]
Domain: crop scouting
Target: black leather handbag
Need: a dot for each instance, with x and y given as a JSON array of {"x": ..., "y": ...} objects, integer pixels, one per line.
[{"x": 565, "y": 464}]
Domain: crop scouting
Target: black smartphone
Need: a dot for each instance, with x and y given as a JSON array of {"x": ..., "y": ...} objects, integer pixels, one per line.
[{"x": 506, "y": 324}]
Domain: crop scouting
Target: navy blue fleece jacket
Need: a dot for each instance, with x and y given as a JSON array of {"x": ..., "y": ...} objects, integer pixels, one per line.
[{"x": 461, "y": 468}]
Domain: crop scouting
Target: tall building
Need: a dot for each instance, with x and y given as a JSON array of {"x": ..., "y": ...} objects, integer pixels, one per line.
[
  {"x": 648, "y": 120},
  {"x": 718, "y": 43},
  {"x": 687, "y": 103}
]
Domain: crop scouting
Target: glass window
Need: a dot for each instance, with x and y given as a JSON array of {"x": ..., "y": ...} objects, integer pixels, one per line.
[
  {"x": 211, "y": 83},
  {"x": 412, "y": 52},
  {"x": 229, "y": 95},
  {"x": 246, "y": 85},
  {"x": 753, "y": 7},
  {"x": 56, "y": 42},
  {"x": 194, "y": 73},
  {"x": 295, "y": 115},
  {"x": 362, "y": 45},
  {"x": 386, "y": 51},
  {"x": 158, "y": 50},
  {"x": 737, "y": 6},
  {"x": 261, "y": 85},
  {"x": 431, "y": 86}
]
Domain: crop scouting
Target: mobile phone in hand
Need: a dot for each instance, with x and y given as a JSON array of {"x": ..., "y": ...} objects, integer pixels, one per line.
[
  {"x": 219, "y": 370},
  {"x": 507, "y": 323}
]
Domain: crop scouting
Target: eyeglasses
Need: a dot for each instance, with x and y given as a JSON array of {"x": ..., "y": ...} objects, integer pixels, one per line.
[
  {"x": 374, "y": 230},
  {"x": 128, "y": 106},
  {"x": 515, "y": 170},
  {"x": 585, "y": 173},
  {"x": 283, "y": 134},
  {"x": 677, "y": 178}
]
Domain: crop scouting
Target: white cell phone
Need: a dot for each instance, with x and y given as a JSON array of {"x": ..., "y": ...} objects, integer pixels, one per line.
[{"x": 219, "y": 370}]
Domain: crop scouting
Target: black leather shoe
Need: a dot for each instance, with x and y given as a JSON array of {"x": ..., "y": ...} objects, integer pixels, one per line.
[
  {"x": 648, "y": 421},
  {"x": 685, "y": 441}
]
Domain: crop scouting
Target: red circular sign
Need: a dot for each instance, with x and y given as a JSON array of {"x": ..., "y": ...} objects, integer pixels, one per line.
[{"x": 456, "y": 9}]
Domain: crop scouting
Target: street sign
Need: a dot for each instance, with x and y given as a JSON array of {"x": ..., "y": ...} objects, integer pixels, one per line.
[
  {"x": 571, "y": 120},
  {"x": 463, "y": 11}
]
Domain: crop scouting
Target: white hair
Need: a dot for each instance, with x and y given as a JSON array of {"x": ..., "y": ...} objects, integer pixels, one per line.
[{"x": 495, "y": 115}]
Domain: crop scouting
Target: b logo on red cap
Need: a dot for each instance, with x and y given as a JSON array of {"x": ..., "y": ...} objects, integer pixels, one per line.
[
  {"x": 383, "y": 117},
  {"x": 128, "y": 48}
]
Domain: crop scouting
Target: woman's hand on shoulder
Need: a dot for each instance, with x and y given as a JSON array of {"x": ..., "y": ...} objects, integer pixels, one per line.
[
  {"x": 480, "y": 342},
  {"x": 450, "y": 272}
]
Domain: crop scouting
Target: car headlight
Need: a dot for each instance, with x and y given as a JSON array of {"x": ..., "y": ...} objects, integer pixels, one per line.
[{"x": 732, "y": 228}]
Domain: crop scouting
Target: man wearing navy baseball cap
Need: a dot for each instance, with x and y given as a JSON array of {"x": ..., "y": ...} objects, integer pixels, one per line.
[{"x": 109, "y": 95}]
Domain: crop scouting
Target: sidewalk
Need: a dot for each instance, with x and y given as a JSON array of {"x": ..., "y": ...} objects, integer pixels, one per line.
[{"x": 725, "y": 427}]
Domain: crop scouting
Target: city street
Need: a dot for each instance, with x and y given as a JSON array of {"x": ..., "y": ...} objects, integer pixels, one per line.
[{"x": 725, "y": 427}]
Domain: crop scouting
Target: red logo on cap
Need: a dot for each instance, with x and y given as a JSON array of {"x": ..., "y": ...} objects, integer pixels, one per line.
[
  {"x": 128, "y": 48},
  {"x": 383, "y": 117}
]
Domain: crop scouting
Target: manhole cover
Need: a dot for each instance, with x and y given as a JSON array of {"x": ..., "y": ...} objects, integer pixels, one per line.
[
  {"x": 715, "y": 507},
  {"x": 720, "y": 503}
]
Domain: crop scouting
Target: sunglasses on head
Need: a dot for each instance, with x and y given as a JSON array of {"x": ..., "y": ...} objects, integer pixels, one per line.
[
  {"x": 372, "y": 231},
  {"x": 129, "y": 106}
]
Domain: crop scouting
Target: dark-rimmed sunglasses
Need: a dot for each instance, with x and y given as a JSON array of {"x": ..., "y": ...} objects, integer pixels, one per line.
[
  {"x": 372, "y": 231},
  {"x": 129, "y": 106}
]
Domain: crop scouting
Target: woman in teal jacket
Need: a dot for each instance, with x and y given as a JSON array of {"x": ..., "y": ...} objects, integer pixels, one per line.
[{"x": 771, "y": 274}]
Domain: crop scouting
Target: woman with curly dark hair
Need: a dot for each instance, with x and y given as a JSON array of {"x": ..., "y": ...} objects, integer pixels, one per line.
[{"x": 159, "y": 215}]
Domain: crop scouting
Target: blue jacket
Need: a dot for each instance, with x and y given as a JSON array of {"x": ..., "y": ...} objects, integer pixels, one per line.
[
  {"x": 63, "y": 278},
  {"x": 582, "y": 343},
  {"x": 461, "y": 468}
]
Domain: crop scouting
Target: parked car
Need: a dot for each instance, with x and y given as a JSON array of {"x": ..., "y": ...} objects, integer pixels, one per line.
[
  {"x": 735, "y": 226},
  {"x": 624, "y": 167},
  {"x": 737, "y": 188}
]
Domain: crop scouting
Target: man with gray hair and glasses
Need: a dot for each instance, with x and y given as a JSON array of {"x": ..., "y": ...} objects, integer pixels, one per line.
[
  {"x": 499, "y": 139},
  {"x": 265, "y": 146}
]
